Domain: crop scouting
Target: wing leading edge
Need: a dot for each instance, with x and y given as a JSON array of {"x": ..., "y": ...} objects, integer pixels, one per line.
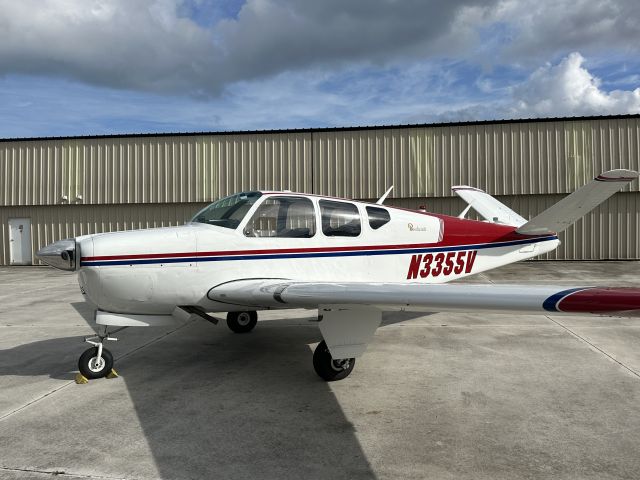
[{"x": 531, "y": 299}]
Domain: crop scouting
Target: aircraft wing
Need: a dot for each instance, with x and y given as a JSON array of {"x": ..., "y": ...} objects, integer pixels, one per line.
[
  {"x": 450, "y": 297},
  {"x": 349, "y": 313}
]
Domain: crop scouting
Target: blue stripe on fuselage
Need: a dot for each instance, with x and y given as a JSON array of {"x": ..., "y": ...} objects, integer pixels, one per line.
[{"x": 356, "y": 253}]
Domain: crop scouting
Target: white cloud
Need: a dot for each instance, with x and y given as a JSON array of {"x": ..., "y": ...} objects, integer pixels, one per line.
[
  {"x": 570, "y": 89},
  {"x": 150, "y": 44},
  {"x": 565, "y": 89},
  {"x": 289, "y": 63},
  {"x": 140, "y": 45},
  {"x": 424, "y": 92},
  {"x": 153, "y": 45},
  {"x": 542, "y": 29}
]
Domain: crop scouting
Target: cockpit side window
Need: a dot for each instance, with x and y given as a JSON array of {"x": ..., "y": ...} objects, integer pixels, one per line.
[
  {"x": 339, "y": 219},
  {"x": 378, "y": 217},
  {"x": 227, "y": 212},
  {"x": 283, "y": 217}
]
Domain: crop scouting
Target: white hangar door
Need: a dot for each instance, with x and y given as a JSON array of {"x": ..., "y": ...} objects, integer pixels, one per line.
[{"x": 20, "y": 241}]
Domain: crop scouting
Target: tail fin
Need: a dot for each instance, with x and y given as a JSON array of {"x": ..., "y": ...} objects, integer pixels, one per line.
[
  {"x": 564, "y": 213},
  {"x": 487, "y": 206}
]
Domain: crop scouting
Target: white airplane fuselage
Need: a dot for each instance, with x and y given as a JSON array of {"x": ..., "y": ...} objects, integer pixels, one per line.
[
  {"x": 152, "y": 271},
  {"x": 349, "y": 260}
]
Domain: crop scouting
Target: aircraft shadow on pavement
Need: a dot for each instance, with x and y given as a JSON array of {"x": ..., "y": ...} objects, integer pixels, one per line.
[
  {"x": 391, "y": 318},
  {"x": 214, "y": 404},
  {"x": 241, "y": 406},
  {"x": 87, "y": 312},
  {"x": 55, "y": 357}
]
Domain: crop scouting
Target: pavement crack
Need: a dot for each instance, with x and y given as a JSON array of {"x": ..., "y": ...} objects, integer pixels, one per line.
[
  {"x": 60, "y": 473},
  {"x": 41, "y": 397},
  {"x": 71, "y": 382},
  {"x": 595, "y": 347}
]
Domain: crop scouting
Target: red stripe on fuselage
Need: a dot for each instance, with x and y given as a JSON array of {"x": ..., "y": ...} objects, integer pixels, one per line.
[
  {"x": 262, "y": 251},
  {"x": 457, "y": 232}
]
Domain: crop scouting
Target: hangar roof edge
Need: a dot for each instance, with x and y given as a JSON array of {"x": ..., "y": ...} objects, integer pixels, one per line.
[{"x": 328, "y": 129}]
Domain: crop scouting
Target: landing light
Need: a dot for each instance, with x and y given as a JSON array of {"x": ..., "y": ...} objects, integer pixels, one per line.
[{"x": 61, "y": 254}]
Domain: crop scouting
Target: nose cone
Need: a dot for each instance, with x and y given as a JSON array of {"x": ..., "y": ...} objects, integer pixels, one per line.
[{"x": 61, "y": 254}]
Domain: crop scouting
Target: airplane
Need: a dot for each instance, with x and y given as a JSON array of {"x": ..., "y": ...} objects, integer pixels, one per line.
[{"x": 350, "y": 260}]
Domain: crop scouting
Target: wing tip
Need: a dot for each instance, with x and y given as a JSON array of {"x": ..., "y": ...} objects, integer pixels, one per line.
[
  {"x": 455, "y": 188},
  {"x": 617, "y": 175},
  {"x": 621, "y": 301}
]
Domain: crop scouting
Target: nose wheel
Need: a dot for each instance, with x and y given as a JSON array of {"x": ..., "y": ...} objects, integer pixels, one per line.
[
  {"x": 329, "y": 368},
  {"x": 95, "y": 364},
  {"x": 97, "y": 361}
]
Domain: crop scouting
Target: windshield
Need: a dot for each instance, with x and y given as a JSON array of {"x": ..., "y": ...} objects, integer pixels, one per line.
[{"x": 227, "y": 212}]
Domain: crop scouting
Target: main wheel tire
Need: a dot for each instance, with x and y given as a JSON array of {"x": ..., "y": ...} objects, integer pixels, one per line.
[
  {"x": 328, "y": 368},
  {"x": 90, "y": 368},
  {"x": 242, "y": 322}
]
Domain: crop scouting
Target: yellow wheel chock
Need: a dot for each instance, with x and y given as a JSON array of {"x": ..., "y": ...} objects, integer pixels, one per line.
[{"x": 81, "y": 379}]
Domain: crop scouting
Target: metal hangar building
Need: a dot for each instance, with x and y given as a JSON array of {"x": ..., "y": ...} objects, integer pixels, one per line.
[{"x": 54, "y": 188}]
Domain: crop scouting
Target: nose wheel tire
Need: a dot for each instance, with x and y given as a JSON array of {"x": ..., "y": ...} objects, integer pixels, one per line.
[
  {"x": 242, "y": 322},
  {"x": 327, "y": 367},
  {"x": 92, "y": 367}
]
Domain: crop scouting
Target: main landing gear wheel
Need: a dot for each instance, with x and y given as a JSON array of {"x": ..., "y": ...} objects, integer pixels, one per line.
[
  {"x": 93, "y": 367},
  {"x": 242, "y": 322},
  {"x": 329, "y": 368}
]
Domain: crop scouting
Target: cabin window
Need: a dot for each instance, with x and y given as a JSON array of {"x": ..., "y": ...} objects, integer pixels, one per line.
[
  {"x": 377, "y": 217},
  {"x": 339, "y": 219},
  {"x": 227, "y": 212},
  {"x": 283, "y": 217}
]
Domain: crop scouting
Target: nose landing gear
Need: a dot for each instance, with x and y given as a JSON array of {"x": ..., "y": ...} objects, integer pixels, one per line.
[{"x": 97, "y": 361}]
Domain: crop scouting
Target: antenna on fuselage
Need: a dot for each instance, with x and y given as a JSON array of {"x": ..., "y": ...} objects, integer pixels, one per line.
[{"x": 384, "y": 197}]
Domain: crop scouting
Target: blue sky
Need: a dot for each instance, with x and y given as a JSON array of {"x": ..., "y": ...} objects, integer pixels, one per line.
[{"x": 90, "y": 67}]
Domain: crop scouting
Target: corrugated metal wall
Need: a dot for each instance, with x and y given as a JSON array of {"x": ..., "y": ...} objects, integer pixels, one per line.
[
  {"x": 51, "y": 223},
  {"x": 504, "y": 159},
  {"x": 609, "y": 232},
  {"x": 151, "y": 169},
  {"x": 85, "y": 185}
]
